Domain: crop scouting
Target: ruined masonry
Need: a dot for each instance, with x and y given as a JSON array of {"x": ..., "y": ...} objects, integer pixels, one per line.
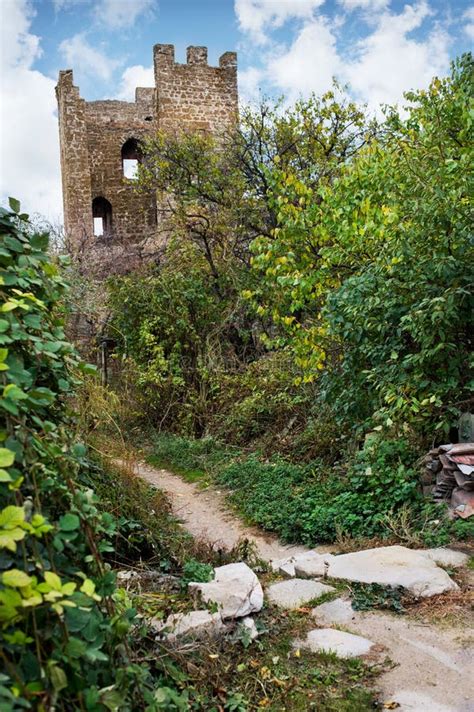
[{"x": 100, "y": 142}]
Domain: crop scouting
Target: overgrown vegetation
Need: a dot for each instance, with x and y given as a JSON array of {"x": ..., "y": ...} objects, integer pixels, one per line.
[
  {"x": 310, "y": 325},
  {"x": 317, "y": 289},
  {"x": 65, "y": 637}
]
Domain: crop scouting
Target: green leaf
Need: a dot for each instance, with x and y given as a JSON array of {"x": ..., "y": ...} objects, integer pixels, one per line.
[
  {"x": 5, "y": 476},
  {"x": 12, "y": 517},
  {"x": 14, "y": 205},
  {"x": 40, "y": 242},
  {"x": 76, "y": 648},
  {"x": 110, "y": 698},
  {"x": 69, "y": 522},
  {"x": 9, "y": 537},
  {"x": 7, "y": 458},
  {"x": 13, "y": 393},
  {"x": 58, "y": 678},
  {"x": 16, "y": 578}
]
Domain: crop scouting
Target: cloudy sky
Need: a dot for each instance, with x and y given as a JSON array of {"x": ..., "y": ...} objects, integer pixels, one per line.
[{"x": 379, "y": 47}]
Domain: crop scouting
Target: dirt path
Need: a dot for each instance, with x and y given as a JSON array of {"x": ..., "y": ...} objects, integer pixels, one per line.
[
  {"x": 205, "y": 515},
  {"x": 433, "y": 665}
]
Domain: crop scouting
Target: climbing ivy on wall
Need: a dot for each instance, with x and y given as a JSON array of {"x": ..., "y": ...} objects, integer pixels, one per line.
[{"x": 64, "y": 632}]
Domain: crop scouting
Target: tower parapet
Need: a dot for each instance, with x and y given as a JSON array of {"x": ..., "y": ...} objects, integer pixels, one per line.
[{"x": 100, "y": 142}]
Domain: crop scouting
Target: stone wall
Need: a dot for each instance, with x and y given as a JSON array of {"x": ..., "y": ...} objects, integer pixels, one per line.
[
  {"x": 195, "y": 96},
  {"x": 191, "y": 96}
]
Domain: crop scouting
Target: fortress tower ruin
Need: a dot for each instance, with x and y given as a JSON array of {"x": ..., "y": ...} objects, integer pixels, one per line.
[{"x": 100, "y": 142}]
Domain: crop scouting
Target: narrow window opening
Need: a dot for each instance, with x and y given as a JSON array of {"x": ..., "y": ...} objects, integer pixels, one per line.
[
  {"x": 130, "y": 168},
  {"x": 102, "y": 217},
  {"x": 131, "y": 157},
  {"x": 98, "y": 227}
]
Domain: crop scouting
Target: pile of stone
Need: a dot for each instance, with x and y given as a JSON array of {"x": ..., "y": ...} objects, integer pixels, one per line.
[
  {"x": 449, "y": 477},
  {"x": 236, "y": 594}
]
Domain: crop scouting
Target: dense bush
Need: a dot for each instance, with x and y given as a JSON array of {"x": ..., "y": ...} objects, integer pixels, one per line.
[
  {"x": 371, "y": 275},
  {"x": 64, "y": 637}
]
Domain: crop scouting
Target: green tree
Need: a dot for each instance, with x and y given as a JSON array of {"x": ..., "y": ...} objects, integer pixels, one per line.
[{"x": 371, "y": 274}]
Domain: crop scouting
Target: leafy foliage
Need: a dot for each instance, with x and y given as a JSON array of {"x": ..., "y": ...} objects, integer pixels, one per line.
[
  {"x": 371, "y": 275},
  {"x": 311, "y": 503},
  {"x": 373, "y": 595},
  {"x": 64, "y": 639},
  {"x": 317, "y": 291}
]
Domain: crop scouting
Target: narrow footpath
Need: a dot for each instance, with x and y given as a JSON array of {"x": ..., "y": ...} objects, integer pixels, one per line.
[{"x": 433, "y": 664}]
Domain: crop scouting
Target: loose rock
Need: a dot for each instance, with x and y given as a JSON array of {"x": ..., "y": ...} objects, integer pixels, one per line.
[
  {"x": 235, "y": 589},
  {"x": 344, "y": 645},
  {"x": 248, "y": 624},
  {"x": 285, "y": 566},
  {"x": 393, "y": 566},
  {"x": 296, "y": 592},
  {"x": 196, "y": 624},
  {"x": 312, "y": 564}
]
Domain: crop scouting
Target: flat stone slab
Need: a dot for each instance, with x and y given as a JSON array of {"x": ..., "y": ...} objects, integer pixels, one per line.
[
  {"x": 446, "y": 557},
  {"x": 328, "y": 640},
  {"x": 296, "y": 592},
  {"x": 196, "y": 624},
  {"x": 393, "y": 566},
  {"x": 337, "y": 612},
  {"x": 235, "y": 589}
]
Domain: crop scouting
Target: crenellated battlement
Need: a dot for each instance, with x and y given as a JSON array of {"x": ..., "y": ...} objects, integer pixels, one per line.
[{"x": 100, "y": 139}]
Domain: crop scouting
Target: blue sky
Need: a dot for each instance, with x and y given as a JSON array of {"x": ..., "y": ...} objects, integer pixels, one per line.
[{"x": 379, "y": 47}]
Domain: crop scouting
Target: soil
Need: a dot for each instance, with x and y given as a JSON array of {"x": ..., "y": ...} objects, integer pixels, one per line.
[{"x": 432, "y": 663}]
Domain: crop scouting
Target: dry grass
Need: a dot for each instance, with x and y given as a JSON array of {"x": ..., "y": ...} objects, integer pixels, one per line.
[{"x": 454, "y": 608}]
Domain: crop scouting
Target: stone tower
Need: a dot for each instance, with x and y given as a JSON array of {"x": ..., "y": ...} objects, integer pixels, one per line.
[{"x": 100, "y": 142}]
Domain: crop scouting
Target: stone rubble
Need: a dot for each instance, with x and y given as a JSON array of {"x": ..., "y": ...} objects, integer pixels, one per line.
[
  {"x": 235, "y": 589},
  {"x": 308, "y": 563},
  {"x": 312, "y": 564},
  {"x": 337, "y": 612},
  {"x": 250, "y": 627},
  {"x": 445, "y": 557},
  {"x": 196, "y": 624}
]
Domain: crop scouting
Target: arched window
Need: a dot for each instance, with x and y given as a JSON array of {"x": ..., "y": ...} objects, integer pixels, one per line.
[
  {"x": 131, "y": 157},
  {"x": 102, "y": 215}
]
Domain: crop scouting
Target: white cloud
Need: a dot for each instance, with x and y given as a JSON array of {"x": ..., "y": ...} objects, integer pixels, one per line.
[
  {"x": 372, "y": 5},
  {"x": 469, "y": 24},
  {"x": 136, "y": 76},
  {"x": 310, "y": 63},
  {"x": 390, "y": 62},
  {"x": 66, "y": 4},
  {"x": 84, "y": 58},
  {"x": 379, "y": 67},
  {"x": 255, "y": 16},
  {"x": 249, "y": 83},
  {"x": 18, "y": 47},
  {"x": 29, "y": 144},
  {"x": 122, "y": 13}
]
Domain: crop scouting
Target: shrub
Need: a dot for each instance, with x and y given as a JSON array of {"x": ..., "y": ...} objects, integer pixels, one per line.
[{"x": 64, "y": 640}]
